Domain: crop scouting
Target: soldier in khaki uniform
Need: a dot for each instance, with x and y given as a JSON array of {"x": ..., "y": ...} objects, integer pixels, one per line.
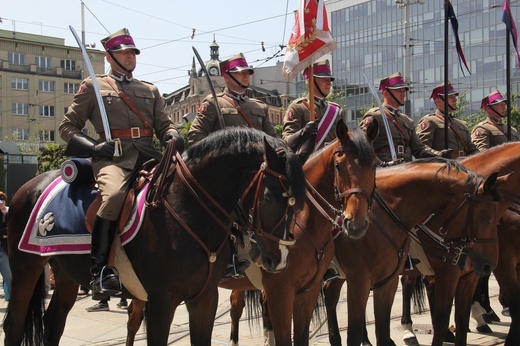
[
  {"x": 236, "y": 108},
  {"x": 296, "y": 124},
  {"x": 492, "y": 131},
  {"x": 431, "y": 127},
  {"x": 133, "y": 128},
  {"x": 407, "y": 144}
]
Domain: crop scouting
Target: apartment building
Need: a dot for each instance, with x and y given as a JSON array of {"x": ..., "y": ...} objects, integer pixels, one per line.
[{"x": 39, "y": 76}]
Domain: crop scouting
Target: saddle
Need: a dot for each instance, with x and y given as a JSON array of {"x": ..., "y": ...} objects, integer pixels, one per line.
[{"x": 145, "y": 173}]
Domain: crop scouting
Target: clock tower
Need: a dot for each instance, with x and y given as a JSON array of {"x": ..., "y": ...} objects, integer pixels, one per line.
[{"x": 213, "y": 66}]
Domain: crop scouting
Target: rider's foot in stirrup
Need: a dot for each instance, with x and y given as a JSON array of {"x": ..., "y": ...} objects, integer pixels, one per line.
[
  {"x": 106, "y": 283},
  {"x": 330, "y": 274},
  {"x": 236, "y": 269}
]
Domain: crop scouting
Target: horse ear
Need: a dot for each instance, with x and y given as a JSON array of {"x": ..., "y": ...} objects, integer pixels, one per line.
[
  {"x": 270, "y": 156},
  {"x": 342, "y": 130},
  {"x": 306, "y": 148},
  {"x": 372, "y": 130},
  {"x": 498, "y": 180}
]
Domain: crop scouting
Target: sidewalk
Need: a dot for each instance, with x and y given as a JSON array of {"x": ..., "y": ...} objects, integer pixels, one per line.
[{"x": 109, "y": 327}]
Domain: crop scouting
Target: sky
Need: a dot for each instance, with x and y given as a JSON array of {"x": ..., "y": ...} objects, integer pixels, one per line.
[{"x": 165, "y": 31}]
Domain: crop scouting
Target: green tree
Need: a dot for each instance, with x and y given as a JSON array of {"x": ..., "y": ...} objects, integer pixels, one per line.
[{"x": 50, "y": 158}]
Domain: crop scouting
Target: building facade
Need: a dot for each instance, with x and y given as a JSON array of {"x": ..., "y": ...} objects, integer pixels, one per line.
[
  {"x": 371, "y": 42},
  {"x": 39, "y": 76}
]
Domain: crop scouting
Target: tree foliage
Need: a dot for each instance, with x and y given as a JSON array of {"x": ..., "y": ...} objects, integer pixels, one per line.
[{"x": 50, "y": 158}]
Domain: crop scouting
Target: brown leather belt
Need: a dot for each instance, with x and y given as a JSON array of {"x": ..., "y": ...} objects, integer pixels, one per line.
[{"x": 134, "y": 132}]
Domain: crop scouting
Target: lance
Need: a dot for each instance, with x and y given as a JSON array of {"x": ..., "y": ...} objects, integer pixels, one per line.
[
  {"x": 95, "y": 85},
  {"x": 385, "y": 120},
  {"x": 211, "y": 88}
]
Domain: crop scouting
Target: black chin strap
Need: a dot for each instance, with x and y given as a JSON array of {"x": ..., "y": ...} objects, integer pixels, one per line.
[
  {"x": 119, "y": 64},
  {"x": 317, "y": 87},
  {"x": 493, "y": 109},
  {"x": 236, "y": 81},
  {"x": 449, "y": 106},
  {"x": 395, "y": 99}
]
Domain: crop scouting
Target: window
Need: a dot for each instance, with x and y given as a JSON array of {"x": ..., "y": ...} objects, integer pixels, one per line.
[
  {"x": 47, "y": 135},
  {"x": 46, "y": 111},
  {"x": 43, "y": 63},
  {"x": 20, "y": 108},
  {"x": 21, "y": 134},
  {"x": 16, "y": 58},
  {"x": 70, "y": 88},
  {"x": 20, "y": 83},
  {"x": 46, "y": 85},
  {"x": 69, "y": 65}
]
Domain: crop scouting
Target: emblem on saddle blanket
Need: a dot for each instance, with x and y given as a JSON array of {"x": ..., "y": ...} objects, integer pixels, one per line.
[{"x": 57, "y": 222}]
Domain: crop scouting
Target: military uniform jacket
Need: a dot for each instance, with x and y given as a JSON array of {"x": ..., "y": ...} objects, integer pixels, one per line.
[
  {"x": 207, "y": 121},
  {"x": 489, "y": 133},
  {"x": 405, "y": 139},
  {"x": 431, "y": 132},
  {"x": 145, "y": 97},
  {"x": 298, "y": 115}
]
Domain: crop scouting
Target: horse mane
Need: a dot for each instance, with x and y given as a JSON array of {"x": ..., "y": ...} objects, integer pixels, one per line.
[
  {"x": 450, "y": 165},
  {"x": 360, "y": 142},
  {"x": 235, "y": 140}
]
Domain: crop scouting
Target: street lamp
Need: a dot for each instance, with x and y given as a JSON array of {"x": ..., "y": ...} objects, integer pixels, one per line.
[{"x": 407, "y": 49}]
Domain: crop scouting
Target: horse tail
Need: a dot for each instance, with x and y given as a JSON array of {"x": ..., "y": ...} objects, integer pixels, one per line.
[
  {"x": 33, "y": 329},
  {"x": 254, "y": 302},
  {"x": 418, "y": 296}
]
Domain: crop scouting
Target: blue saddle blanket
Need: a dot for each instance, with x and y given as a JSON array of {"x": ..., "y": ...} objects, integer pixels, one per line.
[{"x": 57, "y": 222}]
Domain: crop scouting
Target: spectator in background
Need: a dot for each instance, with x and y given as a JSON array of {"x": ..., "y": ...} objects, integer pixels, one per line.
[{"x": 5, "y": 270}]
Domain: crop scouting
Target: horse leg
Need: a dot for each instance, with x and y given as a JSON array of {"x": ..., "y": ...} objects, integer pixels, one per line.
[
  {"x": 26, "y": 295},
  {"x": 383, "y": 301},
  {"x": 441, "y": 300},
  {"x": 135, "y": 318},
  {"x": 280, "y": 302},
  {"x": 237, "y": 300},
  {"x": 202, "y": 313},
  {"x": 463, "y": 300},
  {"x": 332, "y": 292},
  {"x": 160, "y": 310},
  {"x": 410, "y": 284},
  {"x": 269, "y": 339},
  {"x": 62, "y": 301},
  {"x": 304, "y": 305},
  {"x": 358, "y": 291},
  {"x": 508, "y": 279}
]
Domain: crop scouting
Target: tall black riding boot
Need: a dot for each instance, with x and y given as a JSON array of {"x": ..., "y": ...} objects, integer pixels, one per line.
[{"x": 105, "y": 281}]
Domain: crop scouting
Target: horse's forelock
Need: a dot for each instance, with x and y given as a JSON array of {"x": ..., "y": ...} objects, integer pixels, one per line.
[{"x": 363, "y": 147}]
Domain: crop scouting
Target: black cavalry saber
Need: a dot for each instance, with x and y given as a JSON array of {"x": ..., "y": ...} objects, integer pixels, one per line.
[{"x": 213, "y": 93}]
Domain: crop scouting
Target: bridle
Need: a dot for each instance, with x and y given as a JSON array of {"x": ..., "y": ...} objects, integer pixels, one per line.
[{"x": 173, "y": 163}]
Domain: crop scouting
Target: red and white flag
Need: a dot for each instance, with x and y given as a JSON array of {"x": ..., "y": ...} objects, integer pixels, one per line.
[{"x": 310, "y": 38}]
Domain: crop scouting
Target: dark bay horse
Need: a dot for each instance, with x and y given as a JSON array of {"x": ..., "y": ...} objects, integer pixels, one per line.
[
  {"x": 341, "y": 180},
  {"x": 408, "y": 195},
  {"x": 503, "y": 159},
  {"x": 183, "y": 245}
]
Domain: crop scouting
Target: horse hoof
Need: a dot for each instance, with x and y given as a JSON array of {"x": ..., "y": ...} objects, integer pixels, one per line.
[
  {"x": 450, "y": 337},
  {"x": 506, "y": 313},
  {"x": 493, "y": 316},
  {"x": 484, "y": 329},
  {"x": 412, "y": 341}
]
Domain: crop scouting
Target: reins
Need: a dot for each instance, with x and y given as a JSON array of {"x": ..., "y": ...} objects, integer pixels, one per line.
[{"x": 173, "y": 163}]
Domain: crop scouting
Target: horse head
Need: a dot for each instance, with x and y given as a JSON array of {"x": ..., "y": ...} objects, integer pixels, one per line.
[
  {"x": 354, "y": 177},
  {"x": 278, "y": 197}
]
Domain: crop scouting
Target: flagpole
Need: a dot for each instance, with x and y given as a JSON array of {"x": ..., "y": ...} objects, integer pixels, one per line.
[
  {"x": 446, "y": 62},
  {"x": 312, "y": 116},
  {"x": 508, "y": 83}
]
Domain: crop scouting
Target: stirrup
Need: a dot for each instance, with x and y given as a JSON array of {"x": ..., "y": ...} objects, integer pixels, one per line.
[{"x": 111, "y": 291}]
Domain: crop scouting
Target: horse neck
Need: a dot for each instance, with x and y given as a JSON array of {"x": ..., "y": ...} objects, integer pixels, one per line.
[
  {"x": 319, "y": 172},
  {"x": 503, "y": 159},
  {"x": 404, "y": 191}
]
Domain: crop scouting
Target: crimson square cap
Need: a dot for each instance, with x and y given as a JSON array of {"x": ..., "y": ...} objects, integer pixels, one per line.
[
  {"x": 236, "y": 63},
  {"x": 394, "y": 81},
  {"x": 320, "y": 69},
  {"x": 492, "y": 99},
  {"x": 118, "y": 41},
  {"x": 439, "y": 91}
]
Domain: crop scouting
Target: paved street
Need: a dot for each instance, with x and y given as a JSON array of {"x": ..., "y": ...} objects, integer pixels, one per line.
[{"x": 108, "y": 327}]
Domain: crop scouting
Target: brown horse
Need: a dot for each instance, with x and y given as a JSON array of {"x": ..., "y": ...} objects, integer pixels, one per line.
[
  {"x": 503, "y": 159},
  {"x": 340, "y": 183},
  {"x": 184, "y": 244},
  {"x": 409, "y": 194}
]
